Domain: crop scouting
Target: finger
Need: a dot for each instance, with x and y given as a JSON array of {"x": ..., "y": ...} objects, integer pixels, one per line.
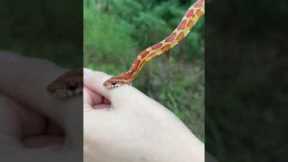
[
  {"x": 120, "y": 95},
  {"x": 32, "y": 122},
  {"x": 17, "y": 121},
  {"x": 29, "y": 75},
  {"x": 25, "y": 79},
  {"x": 92, "y": 98},
  {"x": 94, "y": 81},
  {"x": 23, "y": 83}
]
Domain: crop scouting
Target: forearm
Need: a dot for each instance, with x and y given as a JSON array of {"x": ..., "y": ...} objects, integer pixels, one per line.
[{"x": 191, "y": 151}]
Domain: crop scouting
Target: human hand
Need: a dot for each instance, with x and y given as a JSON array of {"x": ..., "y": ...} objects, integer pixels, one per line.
[
  {"x": 132, "y": 127},
  {"x": 27, "y": 97},
  {"x": 35, "y": 126}
]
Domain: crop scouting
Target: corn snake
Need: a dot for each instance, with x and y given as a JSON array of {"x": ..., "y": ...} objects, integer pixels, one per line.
[
  {"x": 191, "y": 17},
  {"x": 71, "y": 83}
]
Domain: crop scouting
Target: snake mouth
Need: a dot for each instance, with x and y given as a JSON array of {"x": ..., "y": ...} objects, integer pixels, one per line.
[
  {"x": 110, "y": 84},
  {"x": 114, "y": 83}
]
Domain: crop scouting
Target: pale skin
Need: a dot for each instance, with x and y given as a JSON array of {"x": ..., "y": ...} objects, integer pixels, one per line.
[
  {"x": 139, "y": 128},
  {"x": 23, "y": 131},
  {"x": 134, "y": 128}
]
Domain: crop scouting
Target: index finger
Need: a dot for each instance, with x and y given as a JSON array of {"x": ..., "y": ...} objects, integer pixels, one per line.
[
  {"x": 22, "y": 74},
  {"x": 121, "y": 95},
  {"x": 20, "y": 81},
  {"x": 25, "y": 79}
]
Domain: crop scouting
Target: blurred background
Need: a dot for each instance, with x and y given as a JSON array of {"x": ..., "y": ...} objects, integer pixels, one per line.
[
  {"x": 43, "y": 29},
  {"x": 115, "y": 31},
  {"x": 246, "y": 80}
]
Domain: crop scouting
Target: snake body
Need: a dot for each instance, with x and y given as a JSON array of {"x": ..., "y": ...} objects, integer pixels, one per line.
[
  {"x": 191, "y": 17},
  {"x": 71, "y": 83}
]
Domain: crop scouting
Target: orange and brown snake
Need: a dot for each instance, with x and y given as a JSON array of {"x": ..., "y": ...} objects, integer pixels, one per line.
[
  {"x": 193, "y": 14},
  {"x": 71, "y": 83}
]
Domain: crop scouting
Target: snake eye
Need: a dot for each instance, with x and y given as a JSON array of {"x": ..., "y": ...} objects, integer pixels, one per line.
[
  {"x": 72, "y": 87},
  {"x": 114, "y": 84}
]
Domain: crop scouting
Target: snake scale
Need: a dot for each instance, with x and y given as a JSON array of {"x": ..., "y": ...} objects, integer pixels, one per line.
[{"x": 71, "y": 83}]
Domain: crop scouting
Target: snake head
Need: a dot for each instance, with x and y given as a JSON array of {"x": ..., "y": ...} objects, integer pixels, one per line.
[
  {"x": 67, "y": 85},
  {"x": 65, "y": 89},
  {"x": 115, "y": 82}
]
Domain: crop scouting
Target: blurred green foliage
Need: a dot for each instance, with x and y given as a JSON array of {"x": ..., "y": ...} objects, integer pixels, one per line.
[
  {"x": 40, "y": 28},
  {"x": 115, "y": 31},
  {"x": 246, "y": 99}
]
